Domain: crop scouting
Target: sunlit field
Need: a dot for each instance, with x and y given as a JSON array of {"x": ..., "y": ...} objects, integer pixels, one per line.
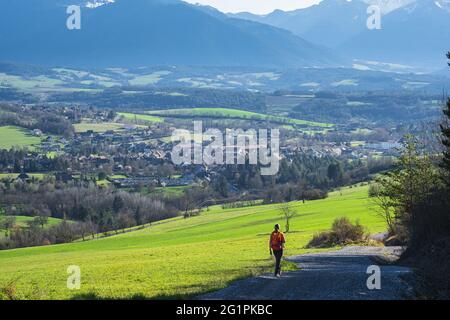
[
  {"x": 11, "y": 136},
  {"x": 178, "y": 257},
  {"x": 97, "y": 127},
  {"x": 234, "y": 114}
]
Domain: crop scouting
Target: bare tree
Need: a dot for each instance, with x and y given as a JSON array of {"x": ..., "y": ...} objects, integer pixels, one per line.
[
  {"x": 192, "y": 201},
  {"x": 42, "y": 218},
  {"x": 383, "y": 207},
  {"x": 288, "y": 213},
  {"x": 7, "y": 223},
  {"x": 189, "y": 206}
]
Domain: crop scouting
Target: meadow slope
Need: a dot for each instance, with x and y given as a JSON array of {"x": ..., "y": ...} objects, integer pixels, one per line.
[
  {"x": 11, "y": 136},
  {"x": 177, "y": 257},
  {"x": 234, "y": 114}
]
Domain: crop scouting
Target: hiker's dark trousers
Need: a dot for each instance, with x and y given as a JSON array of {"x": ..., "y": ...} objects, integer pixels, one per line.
[{"x": 278, "y": 255}]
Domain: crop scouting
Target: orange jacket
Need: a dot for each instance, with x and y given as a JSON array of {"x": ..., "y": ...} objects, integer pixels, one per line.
[{"x": 277, "y": 240}]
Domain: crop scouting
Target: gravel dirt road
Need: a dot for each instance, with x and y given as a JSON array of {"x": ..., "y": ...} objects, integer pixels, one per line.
[{"x": 337, "y": 275}]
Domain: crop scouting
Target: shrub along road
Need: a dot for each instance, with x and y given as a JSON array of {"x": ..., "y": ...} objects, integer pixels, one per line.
[{"x": 338, "y": 275}]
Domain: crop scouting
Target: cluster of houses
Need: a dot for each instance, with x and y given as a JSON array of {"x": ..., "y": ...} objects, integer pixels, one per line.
[
  {"x": 359, "y": 151},
  {"x": 139, "y": 181},
  {"x": 120, "y": 148}
]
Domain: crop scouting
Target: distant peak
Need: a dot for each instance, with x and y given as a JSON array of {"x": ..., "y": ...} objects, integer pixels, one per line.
[
  {"x": 98, "y": 3},
  {"x": 390, "y": 5}
]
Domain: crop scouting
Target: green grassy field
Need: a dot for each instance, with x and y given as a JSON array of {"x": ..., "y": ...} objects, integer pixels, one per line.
[
  {"x": 148, "y": 79},
  {"x": 235, "y": 114},
  {"x": 142, "y": 117},
  {"x": 103, "y": 183},
  {"x": 357, "y": 143},
  {"x": 21, "y": 221},
  {"x": 31, "y": 83},
  {"x": 178, "y": 257},
  {"x": 118, "y": 176},
  {"x": 11, "y": 136},
  {"x": 10, "y": 176},
  {"x": 97, "y": 127},
  {"x": 172, "y": 191}
]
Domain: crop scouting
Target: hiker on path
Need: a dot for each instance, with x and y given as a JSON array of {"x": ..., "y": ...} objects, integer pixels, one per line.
[{"x": 276, "y": 246}]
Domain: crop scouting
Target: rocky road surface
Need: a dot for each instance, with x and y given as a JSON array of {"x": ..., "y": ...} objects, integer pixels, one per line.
[{"x": 337, "y": 275}]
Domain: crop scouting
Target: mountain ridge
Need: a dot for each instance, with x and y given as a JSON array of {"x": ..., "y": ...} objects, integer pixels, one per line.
[
  {"x": 146, "y": 32},
  {"x": 412, "y": 31}
]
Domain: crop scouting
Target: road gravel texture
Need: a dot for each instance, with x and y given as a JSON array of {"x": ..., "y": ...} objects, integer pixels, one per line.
[{"x": 337, "y": 275}]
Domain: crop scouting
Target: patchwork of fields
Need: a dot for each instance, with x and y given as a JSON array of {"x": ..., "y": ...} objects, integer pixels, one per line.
[{"x": 178, "y": 257}]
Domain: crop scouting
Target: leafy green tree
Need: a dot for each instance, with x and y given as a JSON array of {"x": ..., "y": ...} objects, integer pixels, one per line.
[
  {"x": 404, "y": 189},
  {"x": 445, "y": 130}
]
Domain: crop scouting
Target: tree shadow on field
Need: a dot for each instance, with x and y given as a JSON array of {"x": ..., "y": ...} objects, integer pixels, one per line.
[
  {"x": 193, "y": 289},
  {"x": 95, "y": 296}
]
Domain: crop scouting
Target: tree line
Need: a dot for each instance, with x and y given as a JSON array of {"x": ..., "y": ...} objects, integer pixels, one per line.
[
  {"x": 414, "y": 200},
  {"x": 23, "y": 160},
  {"x": 48, "y": 121},
  {"x": 300, "y": 177},
  {"x": 84, "y": 208}
]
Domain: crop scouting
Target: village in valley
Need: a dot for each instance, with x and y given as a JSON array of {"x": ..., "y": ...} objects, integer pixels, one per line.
[{"x": 130, "y": 153}]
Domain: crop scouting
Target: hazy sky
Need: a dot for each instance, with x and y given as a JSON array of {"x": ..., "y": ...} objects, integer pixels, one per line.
[{"x": 256, "y": 6}]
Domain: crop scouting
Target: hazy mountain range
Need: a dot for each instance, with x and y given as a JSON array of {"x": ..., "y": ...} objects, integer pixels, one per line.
[
  {"x": 146, "y": 32},
  {"x": 413, "y": 31},
  {"x": 172, "y": 32},
  {"x": 417, "y": 34}
]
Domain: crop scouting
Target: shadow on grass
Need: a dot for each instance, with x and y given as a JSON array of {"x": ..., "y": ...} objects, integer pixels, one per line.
[
  {"x": 135, "y": 297},
  {"x": 193, "y": 291}
]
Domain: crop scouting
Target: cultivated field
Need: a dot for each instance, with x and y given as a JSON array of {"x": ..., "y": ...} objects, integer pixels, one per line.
[
  {"x": 11, "y": 136},
  {"x": 12, "y": 176},
  {"x": 141, "y": 117},
  {"x": 97, "y": 127},
  {"x": 178, "y": 257},
  {"x": 235, "y": 114},
  {"x": 172, "y": 191}
]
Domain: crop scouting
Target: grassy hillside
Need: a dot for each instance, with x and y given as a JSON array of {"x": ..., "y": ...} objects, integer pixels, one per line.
[
  {"x": 11, "y": 136},
  {"x": 142, "y": 117},
  {"x": 235, "y": 114},
  {"x": 97, "y": 127},
  {"x": 177, "y": 257}
]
